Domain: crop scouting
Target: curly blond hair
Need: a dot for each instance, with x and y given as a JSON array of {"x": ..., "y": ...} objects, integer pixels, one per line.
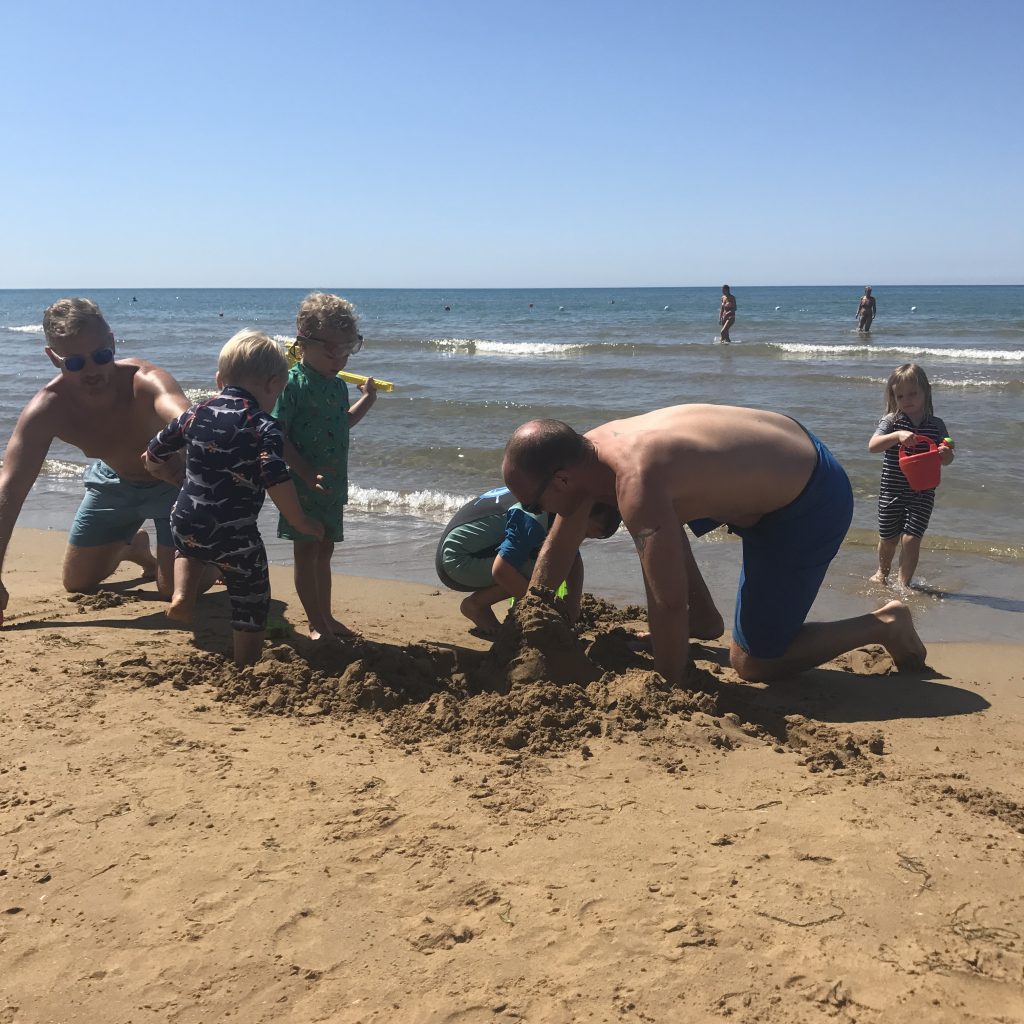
[{"x": 323, "y": 312}]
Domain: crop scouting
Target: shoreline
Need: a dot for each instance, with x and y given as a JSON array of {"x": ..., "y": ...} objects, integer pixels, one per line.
[{"x": 964, "y": 596}]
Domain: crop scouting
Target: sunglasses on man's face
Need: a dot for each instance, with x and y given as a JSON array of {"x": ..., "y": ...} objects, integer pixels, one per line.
[
  {"x": 535, "y": 507},
  {"x": 73, "y": 364},
  {"x": 334, "y": 347}
]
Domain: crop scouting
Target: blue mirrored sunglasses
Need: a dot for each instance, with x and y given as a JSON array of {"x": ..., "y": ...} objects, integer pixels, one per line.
[{"x": 73, "y": 364}]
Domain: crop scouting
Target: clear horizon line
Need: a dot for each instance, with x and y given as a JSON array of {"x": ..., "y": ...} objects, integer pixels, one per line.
[{"x": 500, "y": 288}]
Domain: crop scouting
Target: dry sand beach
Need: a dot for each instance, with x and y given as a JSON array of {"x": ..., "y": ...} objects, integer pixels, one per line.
[{"x": 420, "y": 829}]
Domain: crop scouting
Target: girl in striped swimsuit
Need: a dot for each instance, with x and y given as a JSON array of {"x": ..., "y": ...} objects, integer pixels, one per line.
[{"x": 903, "y": 513}]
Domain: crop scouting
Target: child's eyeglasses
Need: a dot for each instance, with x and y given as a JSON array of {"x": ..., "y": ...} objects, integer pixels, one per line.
[
  {"x": 335, "y": 346},
  {"x": 73, "y": 364}
]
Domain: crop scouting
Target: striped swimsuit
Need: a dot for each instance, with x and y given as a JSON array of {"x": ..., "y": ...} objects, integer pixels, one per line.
[{"x": 901, "y": 509}]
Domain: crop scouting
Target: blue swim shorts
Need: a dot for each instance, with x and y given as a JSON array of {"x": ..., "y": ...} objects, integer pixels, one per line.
[
  {"x": 785, "y": 557},
  {"x": 114, "y": 509}
]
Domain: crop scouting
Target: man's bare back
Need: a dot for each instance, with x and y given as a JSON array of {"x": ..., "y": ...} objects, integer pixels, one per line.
[{"x": 721, "y": 462}]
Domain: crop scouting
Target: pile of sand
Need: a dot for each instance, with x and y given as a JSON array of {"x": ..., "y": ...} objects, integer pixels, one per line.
[{"x": 544, "y": 687}]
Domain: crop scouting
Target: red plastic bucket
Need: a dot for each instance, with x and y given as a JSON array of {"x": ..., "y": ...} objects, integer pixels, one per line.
[{"x": 921, "y": 468}]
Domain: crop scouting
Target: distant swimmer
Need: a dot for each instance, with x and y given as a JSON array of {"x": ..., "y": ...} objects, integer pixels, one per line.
[
  {"x": 867, "y": 310},
  {"x": 666, "y": 308},
  {"x": 777, "y": 308},
  {"x": 221, "y": 313},
  {"x": 727, "y": 313},
  {"x": 447, "y": 309},
  {"x": 134, "y": 299},
  {"x": 531, "y": 305}
]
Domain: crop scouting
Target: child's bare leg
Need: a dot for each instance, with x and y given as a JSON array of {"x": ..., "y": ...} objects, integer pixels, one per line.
[
  {"x": 886, "y": 553},
  {"x": 477, "y": 608},
  {"x": 189, "y": 576},
  {"x": 248, "y": 646},
  {"x": 325, "y": 581},
  {"x": 308, "y": 578},
  {"x": 909, "y": 555}
]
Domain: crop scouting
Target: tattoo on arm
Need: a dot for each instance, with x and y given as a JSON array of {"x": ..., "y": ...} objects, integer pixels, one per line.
[{"x": 640, "y": 539}]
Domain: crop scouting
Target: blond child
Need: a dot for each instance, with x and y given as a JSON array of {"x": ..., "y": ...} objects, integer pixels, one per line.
[
  {"x": 903, "y": 513},
  {"x": 234, "y": 456},
  {"x": 315, "y": 414}
]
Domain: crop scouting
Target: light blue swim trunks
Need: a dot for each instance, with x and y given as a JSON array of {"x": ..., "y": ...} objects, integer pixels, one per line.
[{"x": 114, "y": 509}]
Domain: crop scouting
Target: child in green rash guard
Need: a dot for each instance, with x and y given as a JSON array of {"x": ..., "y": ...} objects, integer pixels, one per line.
[{"x": 315, "y": 414}]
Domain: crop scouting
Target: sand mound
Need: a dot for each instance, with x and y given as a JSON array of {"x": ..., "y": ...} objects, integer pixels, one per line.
[
  {"x": 544, "y": 687},
  {"x": 101, "y": 600}
]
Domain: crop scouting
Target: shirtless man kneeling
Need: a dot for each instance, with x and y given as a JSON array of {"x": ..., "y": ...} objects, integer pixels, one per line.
[
  {"x": 109, "y": 409},
  {"x": 764, "y": 475}
]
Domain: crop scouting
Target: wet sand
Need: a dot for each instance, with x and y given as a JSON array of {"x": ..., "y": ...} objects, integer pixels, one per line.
[{"x": 418, "y": 827}]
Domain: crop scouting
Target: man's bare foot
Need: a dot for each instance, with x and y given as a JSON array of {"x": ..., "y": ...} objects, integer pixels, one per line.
[
  {"x": 901, "y": 639},
  {"x": 880, "y": 577},
  {"x": 181, "y": 609},
  {"x": 483, "y": 618},
  {"x": 139, "y": 553}
]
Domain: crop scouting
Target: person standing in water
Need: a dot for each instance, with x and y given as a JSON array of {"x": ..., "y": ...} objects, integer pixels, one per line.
[
  {"x": 866, "y": 311},
  {"x": 727, "y": 313},
  {"x": 904, "y": 513}
]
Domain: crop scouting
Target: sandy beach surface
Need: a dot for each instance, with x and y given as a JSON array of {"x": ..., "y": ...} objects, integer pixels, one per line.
[{"x": 415, "y": 827}]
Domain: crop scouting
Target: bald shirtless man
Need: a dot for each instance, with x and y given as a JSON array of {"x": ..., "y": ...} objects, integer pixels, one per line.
[
  {"x": 765, "y": 476},
  {"x": 109, "y": 409}
]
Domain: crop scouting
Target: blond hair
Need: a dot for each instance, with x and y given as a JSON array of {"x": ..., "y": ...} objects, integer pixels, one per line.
[
  {"x": 251, "y": 356},
  {"x": 68, "y": 318},
  {"x": 323, "y": 312},
  {"x": 908, "y": 373}
]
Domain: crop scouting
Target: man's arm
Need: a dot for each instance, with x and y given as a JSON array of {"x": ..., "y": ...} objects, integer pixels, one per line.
[
  {"x": 23, "y": 459},
  {"x": 574, "y": 589},
  {"x": 169, "y": 401},
  {"x": 560, "y": 549},
  {"x": 663, "y": 550}
]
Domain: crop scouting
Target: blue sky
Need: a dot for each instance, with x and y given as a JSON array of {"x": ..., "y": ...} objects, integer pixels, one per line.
[{"x": 416, "y": 144}]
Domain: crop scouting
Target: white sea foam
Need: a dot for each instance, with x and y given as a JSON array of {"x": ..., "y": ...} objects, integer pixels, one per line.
[
  {"x": 946, "y": 383},
  {"x": 26, "y": 329},
  {"x": 482, "y": 346},
  {"x": 62, "y": 470},
  {"x": 434, "y": 505},
  {"x": 964, "y": 354}
]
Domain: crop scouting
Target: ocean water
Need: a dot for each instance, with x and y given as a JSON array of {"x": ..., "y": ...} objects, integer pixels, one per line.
[{"x": 471, "y": 365}]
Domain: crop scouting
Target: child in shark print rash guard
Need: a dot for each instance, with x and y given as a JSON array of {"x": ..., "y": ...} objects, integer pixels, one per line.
[{"x": 234, "y": 456}]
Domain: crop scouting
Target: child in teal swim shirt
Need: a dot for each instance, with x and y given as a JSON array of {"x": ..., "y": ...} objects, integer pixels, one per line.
[{"x": 315, "y": 414}]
